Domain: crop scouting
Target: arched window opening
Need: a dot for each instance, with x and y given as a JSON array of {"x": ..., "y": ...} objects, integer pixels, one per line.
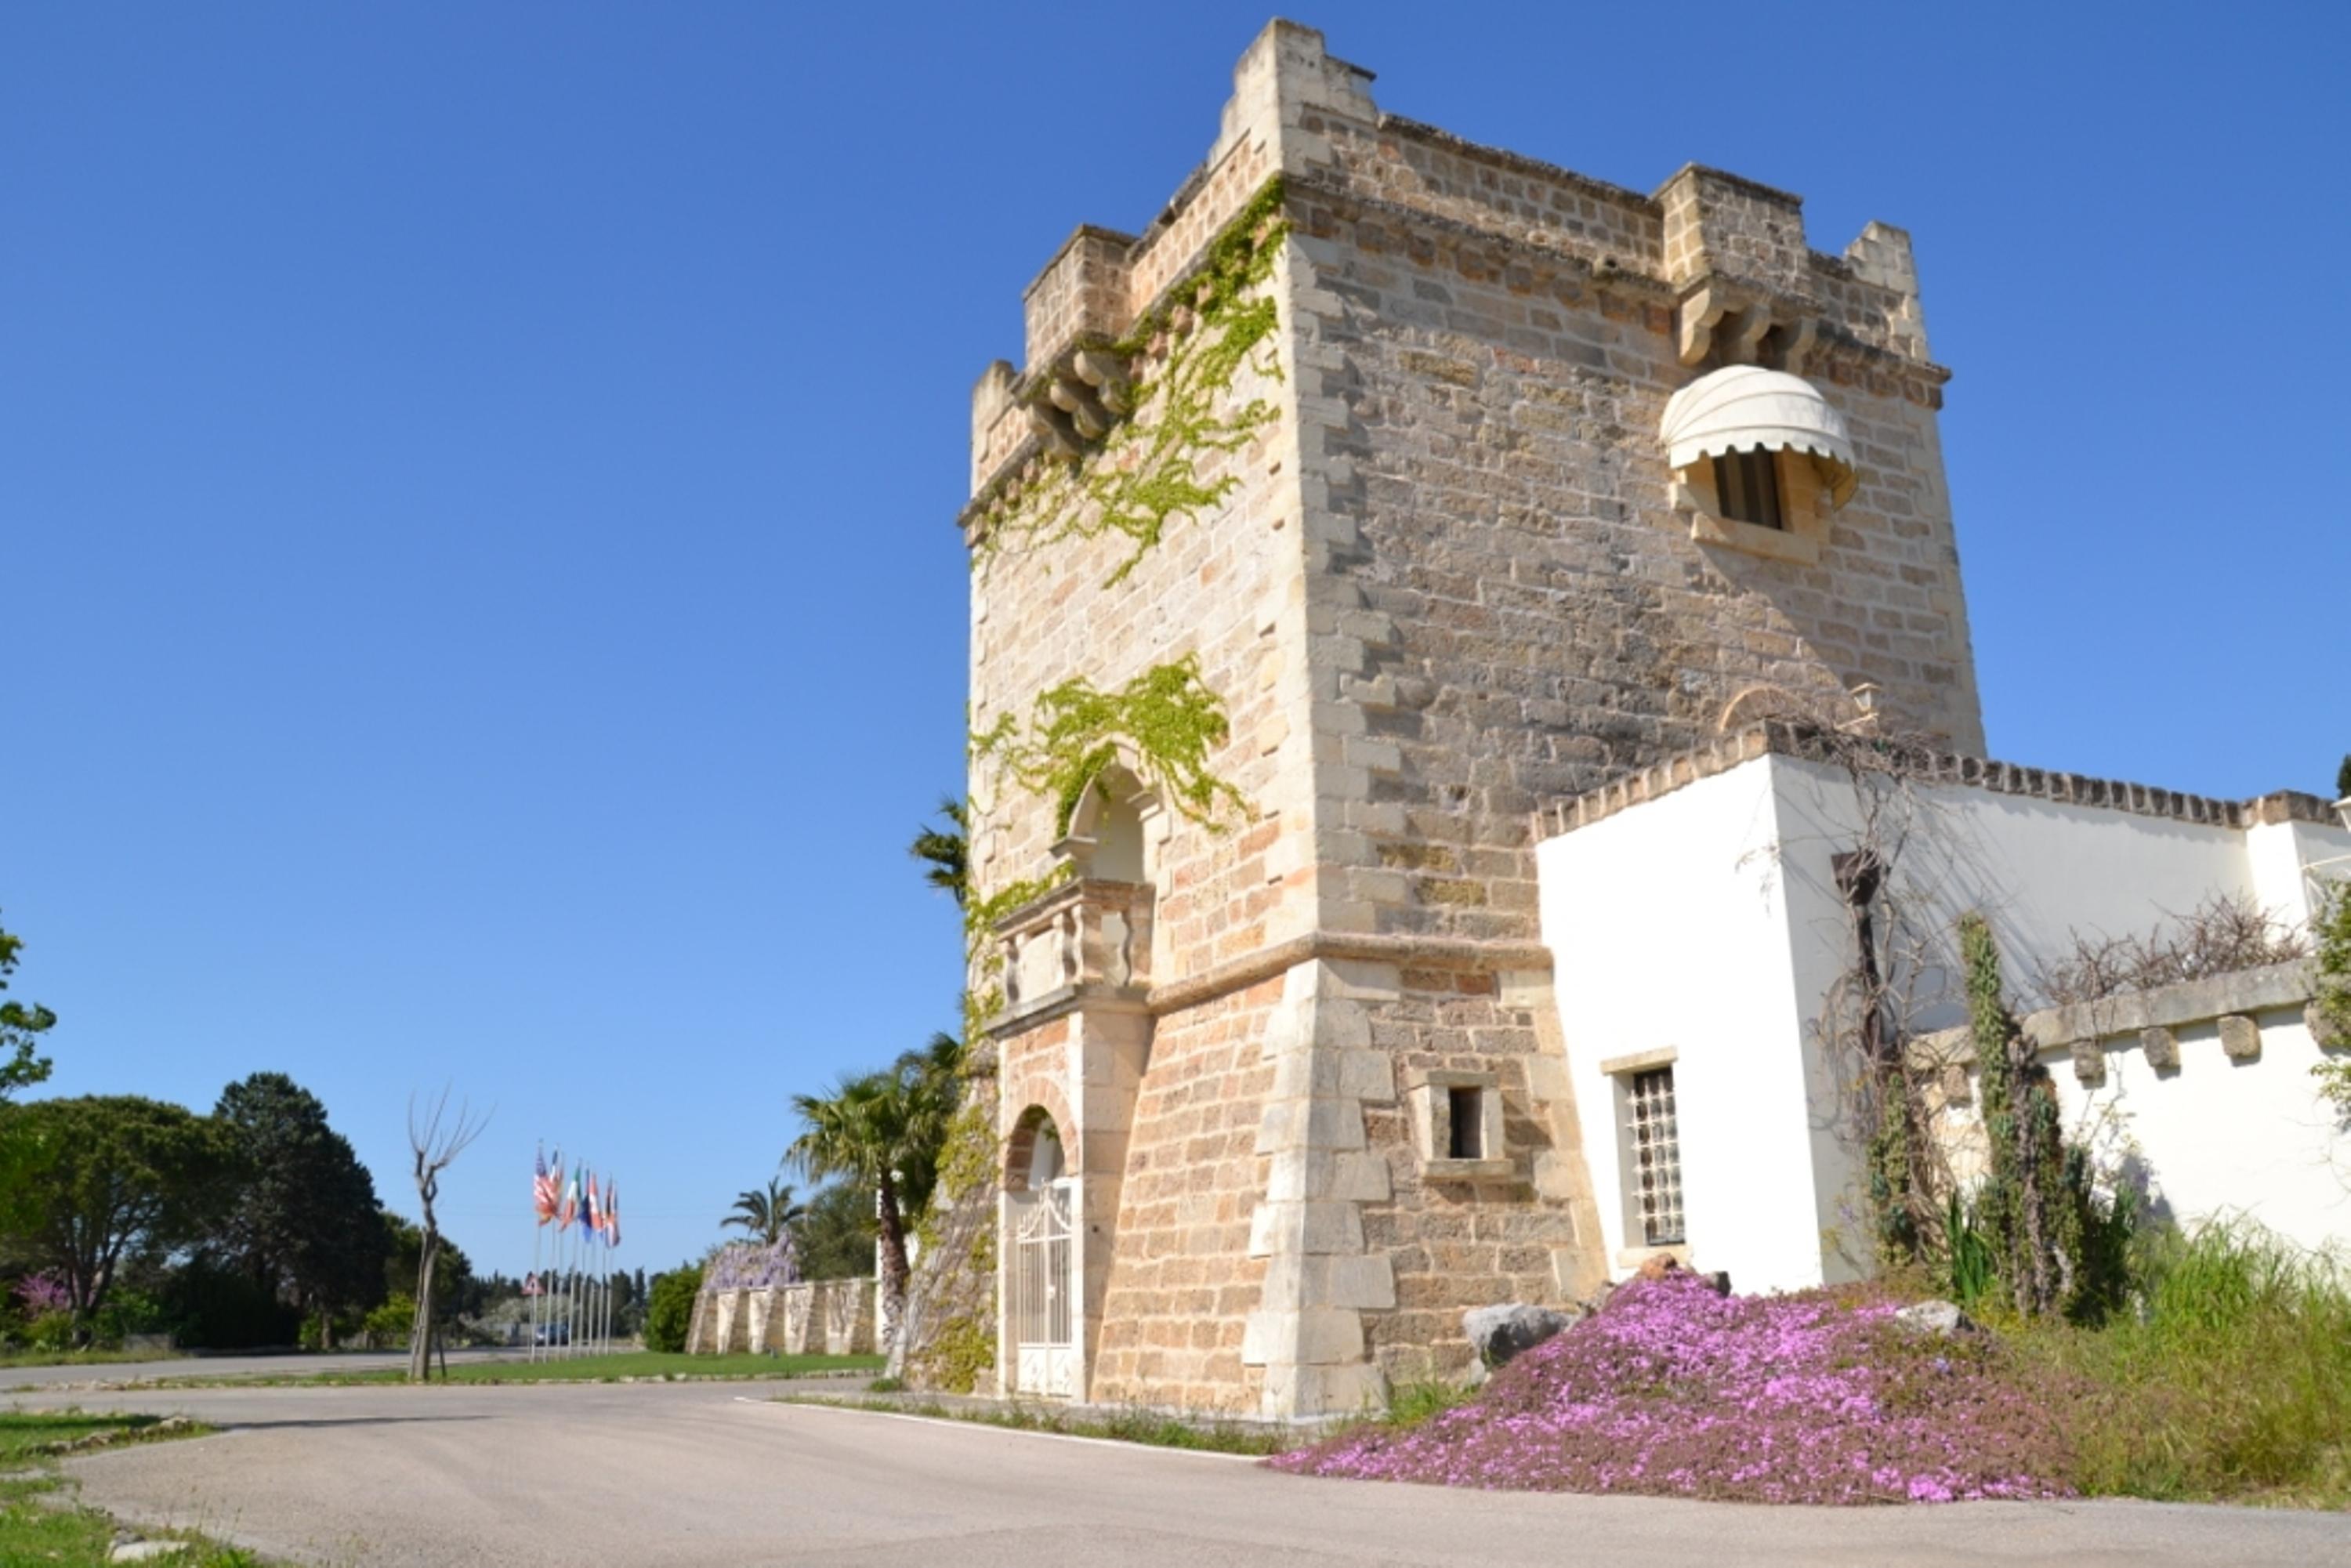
[{"x": 1108, "y": 823}]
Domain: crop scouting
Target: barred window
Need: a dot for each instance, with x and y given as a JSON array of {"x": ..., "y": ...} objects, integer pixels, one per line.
[{"x": 1656, "y": 1156}]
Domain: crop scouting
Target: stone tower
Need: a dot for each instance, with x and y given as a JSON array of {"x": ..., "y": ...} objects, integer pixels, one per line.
[{"x": 1354, "y": 475}]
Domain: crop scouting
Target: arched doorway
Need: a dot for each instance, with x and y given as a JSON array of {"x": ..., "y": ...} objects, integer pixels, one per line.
[{"x": 1040, "y": 1205}]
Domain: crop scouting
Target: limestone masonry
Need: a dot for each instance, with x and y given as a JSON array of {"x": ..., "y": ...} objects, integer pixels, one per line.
[{"x": 1280, "y": 1096}]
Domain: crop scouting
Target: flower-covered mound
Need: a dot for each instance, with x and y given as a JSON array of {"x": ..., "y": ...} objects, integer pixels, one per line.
[{"x": 1816, "y": 1397}]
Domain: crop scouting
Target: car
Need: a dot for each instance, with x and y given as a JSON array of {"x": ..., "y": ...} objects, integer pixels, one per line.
[{"x": 554, "y": 1333}]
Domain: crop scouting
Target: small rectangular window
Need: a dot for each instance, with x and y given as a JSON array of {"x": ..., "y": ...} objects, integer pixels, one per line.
[
  {"x": 1656, "y": 1157},
  {"x": 1465, "y": 1110},
  {"x": 1747, "y": 484}
]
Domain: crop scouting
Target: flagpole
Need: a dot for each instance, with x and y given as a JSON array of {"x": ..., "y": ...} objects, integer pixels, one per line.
[
  {"x": 571, "y": 1299},
  {"x": 559, "y": 1311},
  {"x": 530, "y": 1303},
  {"x": 578, "y": 1268}
]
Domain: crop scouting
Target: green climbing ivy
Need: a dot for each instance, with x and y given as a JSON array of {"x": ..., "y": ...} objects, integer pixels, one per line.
[
  {"x": 962, "y": 1353},
  {"x": 1147, "y": 473},
  {"x": 1148, "y": 470},
  {"x": 1166, "y": 716},
  {"x": 2055, "y": 1244},
  {"x": 2332, "y": 1006}
]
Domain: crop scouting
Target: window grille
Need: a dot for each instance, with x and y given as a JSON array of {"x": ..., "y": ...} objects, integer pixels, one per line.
[
  {"x": 1656, "y": 1156},
  {"x": 1747, "y": 484}
]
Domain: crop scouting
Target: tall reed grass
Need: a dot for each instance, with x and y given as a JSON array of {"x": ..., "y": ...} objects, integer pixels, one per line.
[{"x": 2228, "y": 1375}]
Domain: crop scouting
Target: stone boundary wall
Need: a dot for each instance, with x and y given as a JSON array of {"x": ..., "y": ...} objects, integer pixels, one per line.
[
  {"x": 816, "y": 1317},
  {"x": 1781, "y": 737},
  {"x": 2199, "y": 1095},
  {"x": 2149, "y": 1019}
]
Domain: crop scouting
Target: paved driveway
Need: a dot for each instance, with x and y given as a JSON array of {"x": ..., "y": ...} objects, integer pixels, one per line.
[{"x": 650, "y": 1474}]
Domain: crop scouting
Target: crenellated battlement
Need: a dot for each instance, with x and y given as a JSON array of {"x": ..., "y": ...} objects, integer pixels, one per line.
[{"x": 1728, "y": 253}]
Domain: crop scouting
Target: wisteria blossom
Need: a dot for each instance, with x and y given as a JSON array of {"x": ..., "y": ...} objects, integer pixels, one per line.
[
  {"x": 1814, "y": 1397},
  {"x": 748, "y": 1266}
]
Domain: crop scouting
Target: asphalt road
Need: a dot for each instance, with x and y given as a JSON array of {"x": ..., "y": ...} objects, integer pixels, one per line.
[{"x": 649, "y": 1474}]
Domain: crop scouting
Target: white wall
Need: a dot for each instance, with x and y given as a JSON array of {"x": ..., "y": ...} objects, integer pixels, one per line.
[
  {"x": 2219, "y": 1138},
  {"x": 1668, "y": 930},
  {"x": 1707, "y": 922}
]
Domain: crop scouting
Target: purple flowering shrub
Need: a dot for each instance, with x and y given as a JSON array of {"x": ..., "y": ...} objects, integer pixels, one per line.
[
  {"x": 1816, "y": 1397},
  {"x": 748, "y": 1265},
  {"x": 43, "y": 1293}
]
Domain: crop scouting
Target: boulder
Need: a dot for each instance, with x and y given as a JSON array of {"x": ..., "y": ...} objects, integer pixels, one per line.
[
  {"x": 1664, "y": 1265},
  {"x": 1943, "y": 1318},
  {"x": 1498, "y": 1334}
]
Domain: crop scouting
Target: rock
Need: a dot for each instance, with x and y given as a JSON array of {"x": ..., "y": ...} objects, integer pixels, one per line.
[
  {"x": 1498, "y": 1334},
  {"x": 1664, "y": 1265},
  {"x": 1942, "y": 1318},
  {"x": 145, "y": 1551}
]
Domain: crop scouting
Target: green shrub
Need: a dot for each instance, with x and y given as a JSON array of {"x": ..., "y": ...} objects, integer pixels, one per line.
[
  {"x": 669, "y": 1311},
  {"x": 209, "y": 1304},
  {"x": 50, "y": 1331},
  {"x": 389, "y": 1326}
]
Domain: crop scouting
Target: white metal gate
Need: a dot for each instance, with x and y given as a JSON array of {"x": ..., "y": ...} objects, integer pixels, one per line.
[{"x": 1044, "y": 1355}]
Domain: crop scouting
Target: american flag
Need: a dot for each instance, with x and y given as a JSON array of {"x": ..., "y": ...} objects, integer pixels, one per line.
[{"x": 545, "y": 1186}]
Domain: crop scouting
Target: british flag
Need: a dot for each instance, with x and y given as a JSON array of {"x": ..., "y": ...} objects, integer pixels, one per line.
[{"x": 545, "y": 1186}]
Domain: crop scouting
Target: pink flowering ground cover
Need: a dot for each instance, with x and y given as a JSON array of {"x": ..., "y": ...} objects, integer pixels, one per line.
[{"x": 1816, "y": 1397}]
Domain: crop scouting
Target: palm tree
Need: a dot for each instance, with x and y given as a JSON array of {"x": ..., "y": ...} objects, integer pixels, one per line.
[
  {"x": 883, "y": 1132},
  {"x": 768, "y": 1214},
  {"x": 947, "y": 849},
  {"x": 933, "y": 1079}
]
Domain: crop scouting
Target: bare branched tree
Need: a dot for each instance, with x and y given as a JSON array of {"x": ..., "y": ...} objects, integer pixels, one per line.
[
  {"x": 436, "y": 1147},
  {"x": 1871, "y": 1011}
]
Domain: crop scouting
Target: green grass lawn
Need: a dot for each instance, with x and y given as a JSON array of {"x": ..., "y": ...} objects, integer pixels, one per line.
[
  {"x": 25, "y": 1434},
  {"x": 39, "y": 1526},
  {"x": 641, "y": 1364},
  {"x": 658, "y": 1364},
  {"x": 83, "y": 1357}
]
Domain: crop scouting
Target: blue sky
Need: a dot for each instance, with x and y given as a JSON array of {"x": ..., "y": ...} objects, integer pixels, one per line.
[{"x": 477, "y": 482}]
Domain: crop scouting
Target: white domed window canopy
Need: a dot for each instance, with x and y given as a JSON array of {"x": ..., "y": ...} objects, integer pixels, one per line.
[{"x": 1745, "y": 408}]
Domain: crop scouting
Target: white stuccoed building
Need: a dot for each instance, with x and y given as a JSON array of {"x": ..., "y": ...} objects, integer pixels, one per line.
[{"x": 1700, "y": 930}]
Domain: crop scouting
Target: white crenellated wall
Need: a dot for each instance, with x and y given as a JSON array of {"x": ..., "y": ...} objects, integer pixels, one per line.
[{"x": 1706, "y": 921}]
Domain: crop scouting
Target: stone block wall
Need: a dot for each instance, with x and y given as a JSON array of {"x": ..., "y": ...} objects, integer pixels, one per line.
[
  {"x": 1183, "y": 1277},
  {"x": 1446, "y": 584},
  {"x": 815, "y": 1317}
]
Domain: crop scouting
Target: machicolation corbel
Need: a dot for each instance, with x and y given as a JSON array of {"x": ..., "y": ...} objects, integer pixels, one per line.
[{"x": 1081, "y": 399}]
